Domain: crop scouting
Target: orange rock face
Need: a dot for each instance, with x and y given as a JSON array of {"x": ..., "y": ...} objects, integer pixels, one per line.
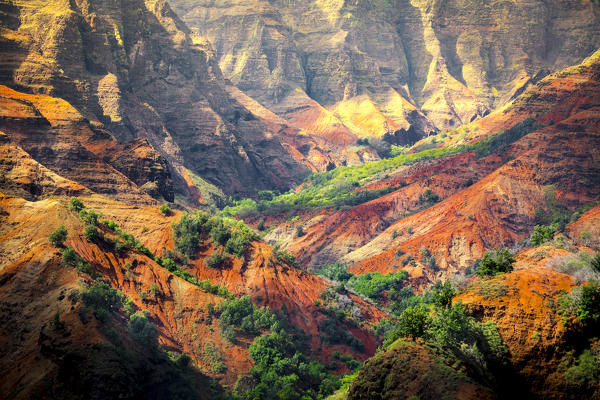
[{"x": 497, "y": 210}]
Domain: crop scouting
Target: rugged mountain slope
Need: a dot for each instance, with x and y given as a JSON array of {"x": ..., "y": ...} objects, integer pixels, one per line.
[
  {"x": 180, "y": 309},
  {"x": 44, "y": 127},
  {"x": 489, "y": 201},
  {"x": 133, "y": 68},
  {"x": 424, "y": 63},
  {"x": 73, "y": 356}
]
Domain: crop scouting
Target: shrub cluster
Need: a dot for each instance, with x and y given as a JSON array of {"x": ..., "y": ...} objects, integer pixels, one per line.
[
  {"x": 495, "y": 262},
  {"x": 233, "y": 235},
  {"x": 58, "y": 236}
]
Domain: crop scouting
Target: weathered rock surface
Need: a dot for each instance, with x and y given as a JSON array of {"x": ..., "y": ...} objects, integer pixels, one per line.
[
  {"x": 486, "y": 203},
  {"x": 421, "y": 63},
  {"x": 133, "y": 68}
]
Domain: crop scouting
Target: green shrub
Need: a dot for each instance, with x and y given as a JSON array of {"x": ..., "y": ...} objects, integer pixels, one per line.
[
  {"x": 241, "y": 313},
  {"x": 498, "y": 349},
  {"x": 165, "y": 209},
  {"x": 542, "y": 234},
  {"x": 495, "y": 262},
  {"x": 498, "y": 142},
  {"x": 183, "y": 360},
  {"x": 237, "y": 244},
  {"x": 58, "y": 236},
  {"x": 374, "y": 284},
  {"x": 334, "y": 332},
  {"x": 442, "y": 295},
  {"x": 69, "y": 256},
  {"x": 216, "y": 259},
  {"x": 428, "y": 197},
  {"x": 451, "y": 326},
  {"x": 75, "y": 204},
  {"x": 492, "y": 289},
  {"x": 336, "y": 272},
  {"x": 102, "y": 299},
  {"x": 595, "y": 263},
  {"x": 413, "y": 323},
  {"x": 89, "y": 217},
  {"x": 219, "y": 233},
  {"x": 585, "y": 371},
  {"x": 213, "y": 356},
  {"x": 299, "y": 231},
  {"x": 282, "y": 372},
  {"x": 92, "y": 234},
  {"x": 588, "y": 310},
  {"x": 143, "y": 331}
]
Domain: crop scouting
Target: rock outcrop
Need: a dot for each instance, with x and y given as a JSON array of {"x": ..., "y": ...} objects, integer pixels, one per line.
[
  {"x": 389, "y": 65},
  {"x": 134, "y": 69},
  {"x": 486, "y": 202}
]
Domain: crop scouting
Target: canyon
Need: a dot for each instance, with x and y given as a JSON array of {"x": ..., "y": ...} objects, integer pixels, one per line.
[{"x": 178, "y": 180}]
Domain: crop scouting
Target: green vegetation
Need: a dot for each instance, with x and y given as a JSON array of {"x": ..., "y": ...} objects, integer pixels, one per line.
[
  {"x": 371, "y": 284},
  {"x": 335, "y": 188},
  {"x": 282, "y": 257},
  {"x": 413, "y": 322},
  {"x": 582, "y": 303},
  {"x": 72, "y": 259},
  {"x": 58, "y": 237},
  {"x": 143, "y": 331},
  {"x": 374, "y": 284},
  {"x": 495, "y": 262},
  {"x": 553, "y": 212},
  {"x": 165, "y": 210},
  {"x": 281, "y": 371},
  {"x": 595, "y": 263},
  {"x": 216, "y": 259},
  {"x": 337, "y": 272},
  {"x": 75, "y": 204},
  {"x": 443, "y": 294},
  {"x": 586, "y": 370},
  {"x": 103, "y": 299},
  {"x": 491, "y": 289},
  {"x": 340, "y": 187},
  {"x": 213, "y": 356},
  {"x": 334, "y": 332},
  {"x": 542, "y": 234},
  {"x": 243, "y": 316},
  {"x": 234, "y": 235},
  {"x": 498, "y": 142},
  {"x": 428, "y": 197}
]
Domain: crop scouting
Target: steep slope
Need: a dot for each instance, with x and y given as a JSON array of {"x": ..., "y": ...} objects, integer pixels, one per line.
[
  {"x": 52, "y": 348},
  {"x": 389, "y": 65},
  {"x": 180, "y": 310},
  {"x": 490, "y": 197},
  {"x": 409, "y": 370},
  {"x": 133, "y": 68},
  {"x": 57, "y": 136}
]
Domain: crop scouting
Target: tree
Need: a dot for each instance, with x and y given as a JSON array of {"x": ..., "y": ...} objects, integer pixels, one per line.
[
  {"x": 58, "y": 236},
  {"x": 75, "y": 204},
  {"x": 542, "y": 234},
  {"x": 299, "y": 231},
  {"x": 216, "y": 259},
  {"x": 92, "y": 234},
  {"x": 442, "y": 295},
  {"x": 495, "y": 262},
  {"x": 595, "y": 263},
  {"x": 413, "y": 322},
  {"x": 142, "y": 330},
  {"x": 165, "y": 210},
  {"x": 337, "y": 272}
]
